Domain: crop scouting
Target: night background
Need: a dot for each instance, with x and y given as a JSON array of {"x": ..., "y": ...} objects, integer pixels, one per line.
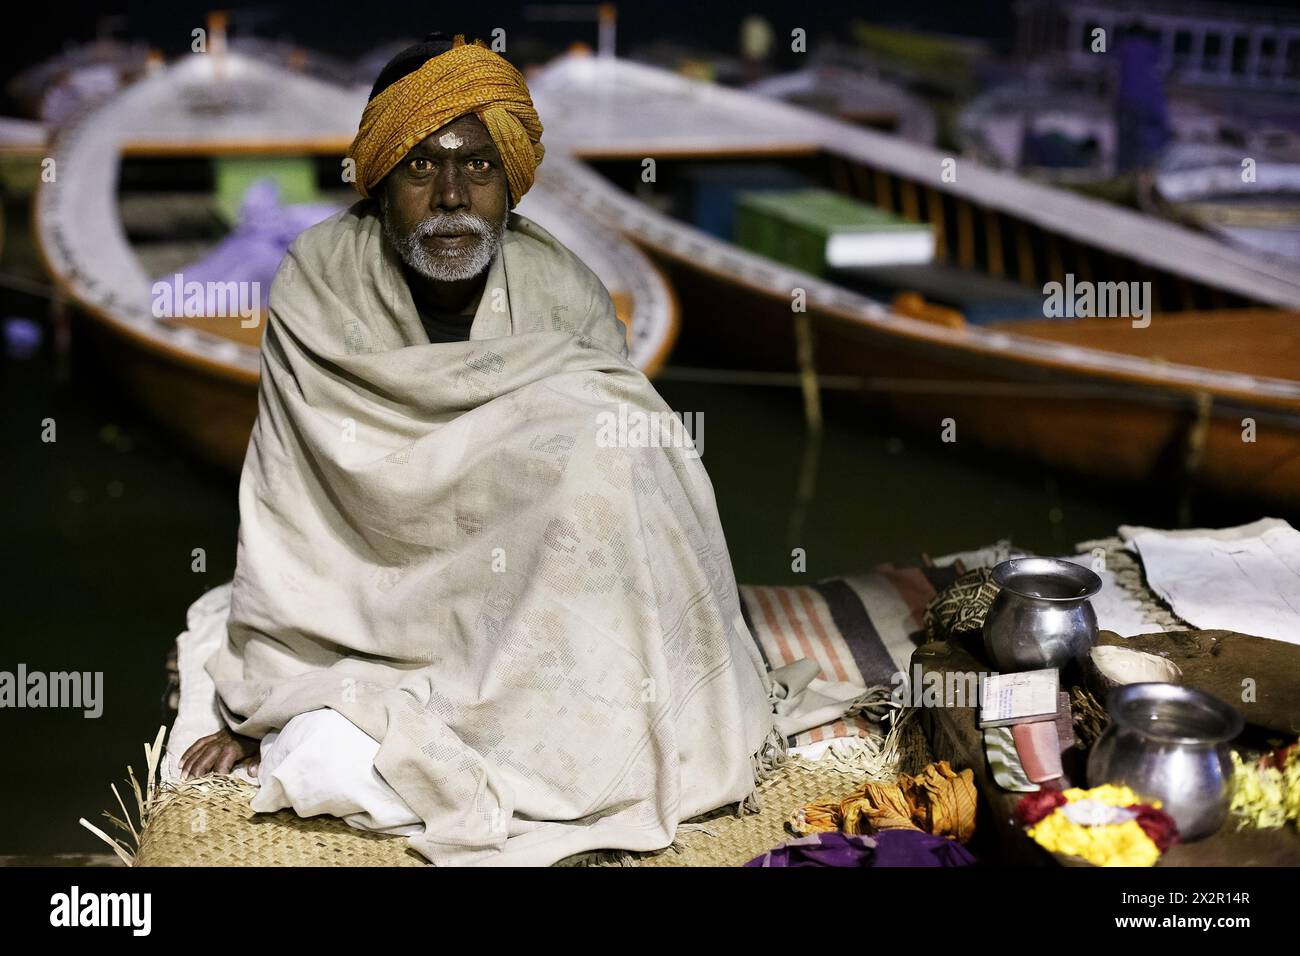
[{"x": 101, "y": 526}]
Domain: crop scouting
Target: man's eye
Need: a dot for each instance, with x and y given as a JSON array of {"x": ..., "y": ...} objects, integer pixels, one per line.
[
  {"x": 420, "y": 165},
  {"x": 479, "y": 165}
]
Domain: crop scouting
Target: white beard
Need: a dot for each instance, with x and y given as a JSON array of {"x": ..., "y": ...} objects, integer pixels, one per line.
[{"x": 451, "y": 265}]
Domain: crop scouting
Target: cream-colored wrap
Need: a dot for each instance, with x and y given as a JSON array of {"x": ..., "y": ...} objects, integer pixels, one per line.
[
  {"x": 543, "y": 634},
  {"x": 469, "y": 78}
]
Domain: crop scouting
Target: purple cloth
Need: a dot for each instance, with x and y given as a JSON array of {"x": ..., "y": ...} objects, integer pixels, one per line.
[
  {"x": 820, "y": 849},
  {"x": 887, "y": 848},
  {"x": 914, "y": 848},
  {"x": 251, "y": 254},
  {"x": 22, "y": 338}
]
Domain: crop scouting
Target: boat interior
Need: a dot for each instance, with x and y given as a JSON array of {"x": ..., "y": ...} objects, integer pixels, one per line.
[
  {"x": 176, "y": 209},
  {"x": 989, "y": 267}
]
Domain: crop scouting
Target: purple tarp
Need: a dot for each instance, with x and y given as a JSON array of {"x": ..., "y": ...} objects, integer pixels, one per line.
[{"x": 252, "y": 252}]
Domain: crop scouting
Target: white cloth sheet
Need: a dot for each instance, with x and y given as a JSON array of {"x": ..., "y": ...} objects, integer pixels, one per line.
[
  {"x": 1117, "y": 610},
  {"x": 1244, "y": 579}
]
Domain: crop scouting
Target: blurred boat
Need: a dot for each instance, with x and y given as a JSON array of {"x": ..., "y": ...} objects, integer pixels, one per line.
[
  {"x": 23, "y": 144},
  {"x": 1258, "y": 211},
  {"x": 694, "y": 60},
  {"x": 1044, "y": 128},
  {"x": 169, "y": 175},
  {"x": 1085, "y": 131},
  {"x": 951, "y": 66},
  {"x": 23, "y": 147},
  {"x": 82, "y": 76},
  {"x": 1210, "y": 389},
  {"x": 292, "y": 57},
  {"x": 22, "y": 135},
  {"x": 854, "y": 96}
]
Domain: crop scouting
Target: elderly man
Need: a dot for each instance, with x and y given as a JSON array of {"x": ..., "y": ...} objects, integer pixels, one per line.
[{"x": 541, "y": 633}]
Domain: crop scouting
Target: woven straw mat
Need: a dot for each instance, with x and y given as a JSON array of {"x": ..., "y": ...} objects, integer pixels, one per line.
[{"x": 213, "y": 826}]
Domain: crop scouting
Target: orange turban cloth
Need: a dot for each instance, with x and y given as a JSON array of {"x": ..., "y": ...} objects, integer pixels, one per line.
[{"x": 468, "y": 78}]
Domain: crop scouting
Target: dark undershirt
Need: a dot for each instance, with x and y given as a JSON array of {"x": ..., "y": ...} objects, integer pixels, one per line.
[{"x": 445, "y": 326}]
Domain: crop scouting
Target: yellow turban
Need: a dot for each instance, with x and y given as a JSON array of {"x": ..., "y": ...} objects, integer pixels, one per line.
[{"x": 468, "y": 78}]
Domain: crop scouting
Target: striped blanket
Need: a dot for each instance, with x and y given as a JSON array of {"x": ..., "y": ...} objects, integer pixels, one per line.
[{"x": 861, "y": 629}]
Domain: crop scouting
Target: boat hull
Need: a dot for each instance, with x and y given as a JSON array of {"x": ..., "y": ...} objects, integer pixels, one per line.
[
  {"x": 211, "y": 412},
  {"x": 1106, "y": 428}
]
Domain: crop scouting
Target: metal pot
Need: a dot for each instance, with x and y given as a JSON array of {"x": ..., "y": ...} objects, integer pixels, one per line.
[
  {"x": 1041, "y": 616},
  {"x": 1170, "y": 742}
]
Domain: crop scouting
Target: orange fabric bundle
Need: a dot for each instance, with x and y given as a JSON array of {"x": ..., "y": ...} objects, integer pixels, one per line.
[
  {"x": 942, "y": 801},
  {"x": 938, "y": 800}
]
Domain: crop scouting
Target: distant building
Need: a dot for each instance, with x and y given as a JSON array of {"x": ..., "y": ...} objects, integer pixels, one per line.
[{"x": 1200, "y": 44}]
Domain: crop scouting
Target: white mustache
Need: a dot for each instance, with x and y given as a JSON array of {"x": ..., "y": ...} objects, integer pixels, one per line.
[
  {"x": 452, "y": 264},
  {"x": 452, "y": 224}
]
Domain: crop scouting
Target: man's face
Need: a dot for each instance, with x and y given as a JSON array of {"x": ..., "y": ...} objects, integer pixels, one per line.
[{"x": 444, "y": 205}]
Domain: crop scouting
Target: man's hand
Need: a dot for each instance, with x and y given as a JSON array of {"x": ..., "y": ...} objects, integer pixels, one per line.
[{"x": 221, "y": 753}]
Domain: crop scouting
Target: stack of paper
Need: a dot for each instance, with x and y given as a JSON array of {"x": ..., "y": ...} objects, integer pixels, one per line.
[{"x": 1019, "y": 698}]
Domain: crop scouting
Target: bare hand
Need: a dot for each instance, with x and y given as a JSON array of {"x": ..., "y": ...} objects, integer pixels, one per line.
[{"x": 221, "y": 753}]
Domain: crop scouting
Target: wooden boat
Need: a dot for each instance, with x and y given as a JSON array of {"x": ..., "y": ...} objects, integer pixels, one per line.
[
  {"x": 1205, "y": 186},
  {"x": 1045, "y": 129},
  {"x": 950, "y": 66},
  {"x": 57, "y": 89},
  {"x": 199, "y": 375},
  {"x": 1211, "y": 388},
  {"x": 23, "y": 137},
  {"x": 23, "y": 146},
  {"x": 848, "y": 92}
]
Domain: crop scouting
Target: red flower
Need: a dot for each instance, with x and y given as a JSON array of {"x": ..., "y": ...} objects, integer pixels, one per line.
[
  {"x": 1034, "y": 806},
  {"x": 1157, "y": 825},
  {"x": 1276, "y": 759}
]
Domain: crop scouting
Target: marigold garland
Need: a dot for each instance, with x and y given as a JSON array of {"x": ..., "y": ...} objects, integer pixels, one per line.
[{"x": 1266, "y": 793}]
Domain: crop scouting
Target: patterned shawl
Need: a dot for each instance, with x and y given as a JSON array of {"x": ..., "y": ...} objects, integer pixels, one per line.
[{"x": 542, "y": 632}]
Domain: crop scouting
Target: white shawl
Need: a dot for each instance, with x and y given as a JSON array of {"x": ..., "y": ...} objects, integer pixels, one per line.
[{"x": 542, "y": 633}]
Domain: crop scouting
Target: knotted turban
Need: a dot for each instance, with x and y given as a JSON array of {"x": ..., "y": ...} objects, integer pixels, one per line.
[{"x": 468, "y": 78}]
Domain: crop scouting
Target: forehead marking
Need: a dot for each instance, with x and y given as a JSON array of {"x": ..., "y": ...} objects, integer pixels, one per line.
[{"x": 450, "y": 141}]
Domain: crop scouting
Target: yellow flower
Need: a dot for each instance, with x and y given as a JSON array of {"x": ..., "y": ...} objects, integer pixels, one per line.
[
  {"x": 1291, "y": 786},
  {"x": 1109, "y": 794},
  {"x": 1266, "y": 797},
  {"x": 1115, "y": 844}
]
